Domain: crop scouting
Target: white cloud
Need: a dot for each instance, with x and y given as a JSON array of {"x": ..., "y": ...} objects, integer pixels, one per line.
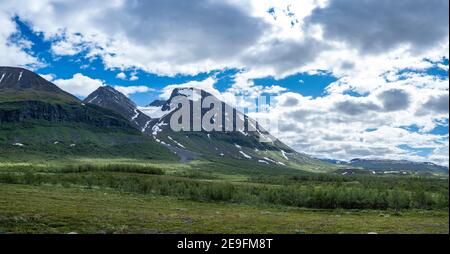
[
  {"x": 365, "y": 127},
  {"x": 49, "y": 77},
  {"x": 121, "y": 75},
  {"x": 68, "y": 45},
  {"x": 206, "y": 85},
  {"x": 134, "y": 77},
  {"x": 296, "y": 36},
  {"x": 79, "y": 85},
  {"x": 381, "y": 25},
  {"x": 13, "y": 54},
  {"x": 127, "y": 90}
]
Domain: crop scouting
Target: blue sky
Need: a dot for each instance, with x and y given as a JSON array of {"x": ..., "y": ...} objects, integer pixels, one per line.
[{"x": 345, "y": 85}]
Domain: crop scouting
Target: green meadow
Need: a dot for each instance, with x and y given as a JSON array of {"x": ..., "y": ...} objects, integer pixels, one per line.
[{"x": 138, "y": 195}]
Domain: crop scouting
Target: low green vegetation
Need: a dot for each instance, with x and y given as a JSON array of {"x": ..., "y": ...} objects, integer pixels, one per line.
[
  {"x": 53, "y": 209},
  {"x": 66, "y": 143},
  {"x": 304, "y": 190},
  {"x": 391, "y": 204}
]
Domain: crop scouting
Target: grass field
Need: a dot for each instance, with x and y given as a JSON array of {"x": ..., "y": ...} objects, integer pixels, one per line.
[
  {"x": 125, "y": 195},
  {"x": 52, "y": 209}
]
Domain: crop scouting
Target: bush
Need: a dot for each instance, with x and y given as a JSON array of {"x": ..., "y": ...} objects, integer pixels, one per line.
[{"x": 310, "y": 194}]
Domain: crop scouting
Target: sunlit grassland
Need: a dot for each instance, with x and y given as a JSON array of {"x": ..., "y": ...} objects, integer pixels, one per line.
[
  {"x": 52, "y": 209},
  {"x": 102, "y": 194}
]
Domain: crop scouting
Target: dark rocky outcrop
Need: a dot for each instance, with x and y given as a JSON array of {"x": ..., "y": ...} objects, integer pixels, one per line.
[{"x": 11, "y": 112}]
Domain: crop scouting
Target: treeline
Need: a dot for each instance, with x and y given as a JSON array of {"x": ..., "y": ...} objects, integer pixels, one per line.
[
  {"x": 123, "y": 168},
  {"x": 330, "y": 196},
  {"x": 411, "y": 183}
]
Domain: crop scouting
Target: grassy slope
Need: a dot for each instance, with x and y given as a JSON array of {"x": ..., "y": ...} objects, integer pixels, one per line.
[
  {"x": 15, "y": 96},
  {"x": 75, "y": 140},
  {"x": 199, "y": 143},
  {"x": 80, "y": 208},
  {"x": 97, "y": 145},
  {"x": 48, "y": 209}
]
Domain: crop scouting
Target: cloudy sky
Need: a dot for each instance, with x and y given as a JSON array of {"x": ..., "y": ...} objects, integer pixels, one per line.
[{"x": 348, "y": 78}]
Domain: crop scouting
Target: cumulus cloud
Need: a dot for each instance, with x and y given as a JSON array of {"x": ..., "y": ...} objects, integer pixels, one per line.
[
  {"x": 344, "y": 127},
  {"x": 438, "y": 104},
  {"x": 172, "y": 37},
  {"x": 79, "y": 84},
  {"x": 49, "y": 77},
  {"x": 355, "y": 108},
  {"x": 68, "y": 45},
  {"x": 127, "y": 90},
  {"x": 380, "y": 25},
  {"x": 121, "y": 75},
  {"x": 134, "y": 77},
  {"x": 395, "y": 99},
  {"x": 283, "y": 57},
  {"x": 13, "y": 53},
  {"x": 290, "y": 101},
  {"x": 161, "y": 36},
  {"x": 206, "y": 85}
]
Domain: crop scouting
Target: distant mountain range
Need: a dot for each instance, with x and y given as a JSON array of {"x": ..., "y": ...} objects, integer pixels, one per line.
[
  {"x": 390, "y": 166},
  {"x": 36, "y": 114},
  {"x": 238, "y": 144},
  {"x": 39, "y": 120}
]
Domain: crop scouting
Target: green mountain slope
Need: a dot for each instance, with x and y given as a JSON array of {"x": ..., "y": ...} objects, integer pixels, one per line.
[
  {"x": 39, "y": 120},
  {"x": 253, "y": 145}
]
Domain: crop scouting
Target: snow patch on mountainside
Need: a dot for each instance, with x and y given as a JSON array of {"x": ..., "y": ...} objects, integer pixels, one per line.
[
  {"x": 243, "y": 132},
  {"x": 283, "y": 153},
  {"x": 180, "y": 145},
  {"x": 245, "y": 155},
  {"x": 146, "y": 126},
  {"x": 268, "y": 159},
  {"x": 93, "y": 99},
  {"x": 157, "y": 128},
  {"x": 154, "y": 112},
  {"x": 136, "y": 114}
]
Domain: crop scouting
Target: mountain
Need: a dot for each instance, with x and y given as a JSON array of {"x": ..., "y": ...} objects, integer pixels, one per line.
[
  {"x": 157, "y": 103},
  {"x": 250, "y": 143},
  {"x": 18, "y": 84},
  {"x": 39, "y": 119},
  {"x": 391, "y": 166},
  {"x": 25, "y": 95},
  {"x": 109, "y": 98}
]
